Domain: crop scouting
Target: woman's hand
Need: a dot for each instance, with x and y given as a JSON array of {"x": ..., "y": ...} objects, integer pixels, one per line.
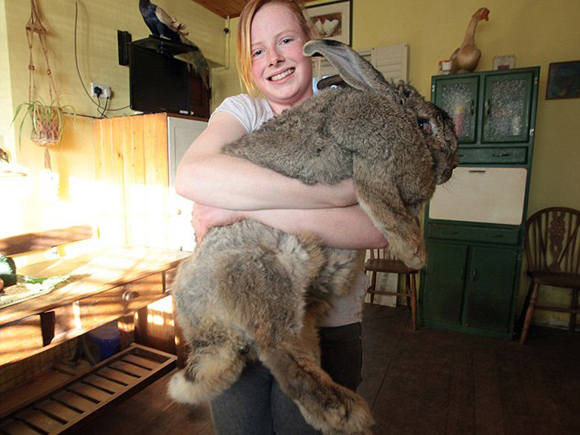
[{"x": 205, "y": 217}]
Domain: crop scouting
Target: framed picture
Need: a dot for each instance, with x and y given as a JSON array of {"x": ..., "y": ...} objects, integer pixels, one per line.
[
  {"x": 563, "y": 80},
  {"x": 504, "y": 62},
  {"x": 333, "y": 20}
]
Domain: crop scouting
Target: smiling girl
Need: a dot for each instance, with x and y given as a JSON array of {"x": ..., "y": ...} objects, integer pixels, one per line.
[{"x": 226, "y": 189}]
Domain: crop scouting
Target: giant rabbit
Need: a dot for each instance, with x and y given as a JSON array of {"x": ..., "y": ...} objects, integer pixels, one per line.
[{"x": 251, "y": 290}]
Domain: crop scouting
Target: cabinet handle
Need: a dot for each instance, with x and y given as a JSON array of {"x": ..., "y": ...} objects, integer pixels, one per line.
[
  {"x": 472, "y": 107},
  {"x": 474, "y": 275},
  {"x": 501, "y": 154},
  {"x": 130, "y": 295},
  {"x": 462, "y": 273},
  {"x": 477, "y": 171},
  {"x": 450, "y": 233},
  {"x": 488, "y": 107}
]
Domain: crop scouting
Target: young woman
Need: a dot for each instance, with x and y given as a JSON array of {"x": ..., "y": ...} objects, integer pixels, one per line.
[{"x": 225, "y": 189}]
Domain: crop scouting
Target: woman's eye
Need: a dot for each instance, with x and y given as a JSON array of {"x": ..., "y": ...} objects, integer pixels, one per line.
[
  {"x": 286, "y": 40},
  {"x": 425, "y": 126},
  {"x": 256, "y": 53}
]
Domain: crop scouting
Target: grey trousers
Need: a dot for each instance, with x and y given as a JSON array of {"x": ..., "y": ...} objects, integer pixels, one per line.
[{"x": 255, "y": 404}]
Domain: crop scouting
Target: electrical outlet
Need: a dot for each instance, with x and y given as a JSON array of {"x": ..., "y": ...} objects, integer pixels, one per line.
[{"x": 105, "y": 91}]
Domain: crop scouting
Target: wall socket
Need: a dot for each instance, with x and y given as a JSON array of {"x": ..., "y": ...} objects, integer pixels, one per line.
[{"x": 105, "y": 90}]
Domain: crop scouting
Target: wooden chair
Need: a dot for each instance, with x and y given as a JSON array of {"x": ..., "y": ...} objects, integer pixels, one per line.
[
  {"x": 382, "y": 261},
  {"x": 552, "y": 245}
]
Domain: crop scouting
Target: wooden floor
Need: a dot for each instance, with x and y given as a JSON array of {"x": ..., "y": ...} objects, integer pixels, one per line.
[{"x": 424, "y": 382}]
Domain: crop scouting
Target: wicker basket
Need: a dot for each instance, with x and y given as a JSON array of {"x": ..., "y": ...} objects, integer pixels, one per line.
[{"x": 47, "y": 130}]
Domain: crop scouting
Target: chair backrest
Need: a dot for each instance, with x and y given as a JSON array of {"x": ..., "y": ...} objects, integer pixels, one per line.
[{"x": 552, "y": 240}]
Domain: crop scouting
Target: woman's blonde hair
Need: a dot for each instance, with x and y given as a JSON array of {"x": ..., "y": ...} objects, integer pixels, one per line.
[{"x": 244, "y": 45}]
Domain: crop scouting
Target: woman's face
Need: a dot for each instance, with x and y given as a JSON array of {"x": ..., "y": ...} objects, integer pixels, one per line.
[{"x": 279, "y": 69}]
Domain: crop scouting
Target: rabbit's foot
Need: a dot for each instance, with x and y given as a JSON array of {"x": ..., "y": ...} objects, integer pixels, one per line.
[
  {"x": 325, "y": 405},
  {"x": 346, "y": 413},
  {"x": 206, "y": 376},
  {"x": 413, "y": 255}
]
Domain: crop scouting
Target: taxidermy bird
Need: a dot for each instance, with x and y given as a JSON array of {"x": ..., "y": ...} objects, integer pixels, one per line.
[
  {"x": 466, "y": 57},
  {"x": 162, "y": 24}
]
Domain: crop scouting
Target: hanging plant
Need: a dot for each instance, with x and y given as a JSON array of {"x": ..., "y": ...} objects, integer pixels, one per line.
[{"x": 46, "y": 119}]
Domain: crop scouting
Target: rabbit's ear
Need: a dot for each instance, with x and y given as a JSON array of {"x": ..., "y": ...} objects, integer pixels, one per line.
[
  {"x": 355, "y": 70},
  {"x": 327, "y": 82}
]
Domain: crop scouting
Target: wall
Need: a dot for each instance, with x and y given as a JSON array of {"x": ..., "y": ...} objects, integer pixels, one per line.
[
  {"x": 536, "y": 32},
  {"x": 68, "y": 194}
]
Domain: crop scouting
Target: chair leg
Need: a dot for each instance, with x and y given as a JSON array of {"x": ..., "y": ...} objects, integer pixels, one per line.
[
  {"x": 530, "y": 313},
  {"x": 520, "y": 322},
  {"x": 574, "y": 306},
  {"x": 372, "y": 288},
  {"x": 408, "y": 290},
  {"x": 413, "y": 300}
]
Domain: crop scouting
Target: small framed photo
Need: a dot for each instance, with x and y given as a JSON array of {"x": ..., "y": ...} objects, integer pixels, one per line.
[
  {"x": 563, "y": 80},
  {"x": 504, "y": 62},
  {"x": 332, "y": 20}
]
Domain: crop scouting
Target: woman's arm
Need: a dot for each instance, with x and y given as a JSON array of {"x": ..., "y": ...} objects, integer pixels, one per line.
[
  {"x": 343, "y": 227},
  {"x": 207, "y": 176}
]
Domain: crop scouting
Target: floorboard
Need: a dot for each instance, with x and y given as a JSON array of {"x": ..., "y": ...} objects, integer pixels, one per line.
[{"x": 420, "y": 382}]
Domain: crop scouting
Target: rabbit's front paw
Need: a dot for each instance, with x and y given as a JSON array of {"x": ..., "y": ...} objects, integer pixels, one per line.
[
  {"x": 417, "y": 259},
  {"x": 412, "y": 253}
]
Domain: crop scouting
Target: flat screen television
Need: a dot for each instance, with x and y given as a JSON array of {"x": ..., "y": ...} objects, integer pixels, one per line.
[{"x": 158, "y": 82}]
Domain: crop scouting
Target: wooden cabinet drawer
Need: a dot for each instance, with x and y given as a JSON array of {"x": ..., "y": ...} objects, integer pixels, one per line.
[
  {"x": 493, "y": 155},
  {"x": 116, "y": 302},
  {"x": 504, "y": 236},
  {"x": 20, "y": 339}
]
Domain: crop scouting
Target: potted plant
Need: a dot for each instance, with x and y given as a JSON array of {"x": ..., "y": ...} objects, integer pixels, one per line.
[{"x": 46, "y": 119}]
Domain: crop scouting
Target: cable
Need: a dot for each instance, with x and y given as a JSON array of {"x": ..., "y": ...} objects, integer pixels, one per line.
[{"x": 98, "y": 104}]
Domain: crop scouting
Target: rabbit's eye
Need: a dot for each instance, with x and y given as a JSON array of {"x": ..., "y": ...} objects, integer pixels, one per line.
[{"x": 425, "y": 126}]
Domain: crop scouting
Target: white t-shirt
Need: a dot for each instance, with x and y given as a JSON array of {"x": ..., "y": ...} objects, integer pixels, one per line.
[{"x": 252, "y": 113}]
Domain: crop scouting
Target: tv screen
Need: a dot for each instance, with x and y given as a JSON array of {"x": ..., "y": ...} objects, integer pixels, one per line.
[{"x": 158, "y": 83}]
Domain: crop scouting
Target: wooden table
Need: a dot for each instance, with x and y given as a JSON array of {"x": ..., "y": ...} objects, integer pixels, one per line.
[{"x": 112, "y": 284}]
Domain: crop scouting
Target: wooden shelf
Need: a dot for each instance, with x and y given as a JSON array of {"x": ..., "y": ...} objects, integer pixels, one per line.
[{"x": 87, "y": 395}]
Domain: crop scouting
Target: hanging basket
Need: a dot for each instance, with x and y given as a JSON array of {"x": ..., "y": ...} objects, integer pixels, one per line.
[{"x": 47, "y": 127}]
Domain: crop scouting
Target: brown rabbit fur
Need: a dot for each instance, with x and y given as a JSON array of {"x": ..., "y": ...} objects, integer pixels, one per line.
[{"x": 251, "y": 290}]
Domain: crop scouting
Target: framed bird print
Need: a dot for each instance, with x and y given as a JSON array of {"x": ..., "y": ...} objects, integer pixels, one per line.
[{"x": 332, "y": 20}]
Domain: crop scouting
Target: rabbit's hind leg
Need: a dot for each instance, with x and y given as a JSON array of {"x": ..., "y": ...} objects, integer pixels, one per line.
[
  {"x": 217, "y": 356},
  {"x": 325, "y": 405}
]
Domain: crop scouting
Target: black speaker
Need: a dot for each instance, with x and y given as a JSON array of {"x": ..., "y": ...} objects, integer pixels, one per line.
[{"x": 124, "y": 41}]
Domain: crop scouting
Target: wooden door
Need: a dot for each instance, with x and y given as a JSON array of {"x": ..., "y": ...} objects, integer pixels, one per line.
[{"x": 132, "y": 170}]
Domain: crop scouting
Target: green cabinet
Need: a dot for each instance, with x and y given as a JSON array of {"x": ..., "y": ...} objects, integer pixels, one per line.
[
  {"x": 493, "y": 113},
  {"x": 474, "y": 247}
]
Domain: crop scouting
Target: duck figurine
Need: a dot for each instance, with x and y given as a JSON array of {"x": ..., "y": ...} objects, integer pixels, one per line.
[{"x": 466, "y": 57}]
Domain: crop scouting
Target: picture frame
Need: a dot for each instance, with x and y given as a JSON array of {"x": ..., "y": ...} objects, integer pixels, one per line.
[
  {"x": 504, "y": 62},
  {"x": 332, "y": 20},
  {"x": 563, "y": 80}
]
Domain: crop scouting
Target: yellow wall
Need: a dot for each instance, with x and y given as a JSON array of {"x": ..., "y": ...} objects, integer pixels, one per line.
[
  {"x": 69, "y": 194},
  {"x": 536, "y": 32}
]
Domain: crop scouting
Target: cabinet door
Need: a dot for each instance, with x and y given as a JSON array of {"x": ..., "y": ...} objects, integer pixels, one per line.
[
  {"x": 444, "y": 281},
  {"x": 507, "y": 107},
  {"x": 458, "y": 97},
  {"x": 489, "y": 289}
]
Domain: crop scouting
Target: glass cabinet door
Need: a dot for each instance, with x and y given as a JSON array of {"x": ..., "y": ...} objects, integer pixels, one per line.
[
  {"x": 506, "y": 107},
  {"x": 458, "y": 97}
]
